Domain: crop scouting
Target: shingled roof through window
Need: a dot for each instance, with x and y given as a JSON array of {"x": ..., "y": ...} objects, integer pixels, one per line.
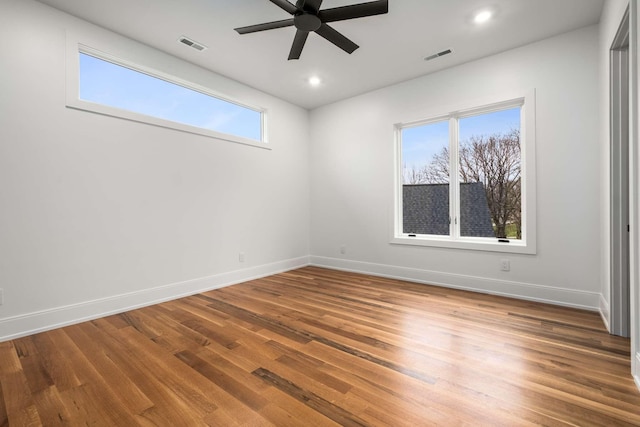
[{"x": 426, "y": 210}]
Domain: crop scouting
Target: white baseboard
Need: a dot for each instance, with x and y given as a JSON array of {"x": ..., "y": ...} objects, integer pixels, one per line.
[
  {"x": 604, "y": 312},
  {"x": 636, "y": 371},
  {"x": 527, "y": 291},
  {"x": 31, "y": 323}
]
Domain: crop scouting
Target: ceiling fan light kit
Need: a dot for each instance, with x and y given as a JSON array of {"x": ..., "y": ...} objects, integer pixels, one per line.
[{"x": 307, "y": 17}]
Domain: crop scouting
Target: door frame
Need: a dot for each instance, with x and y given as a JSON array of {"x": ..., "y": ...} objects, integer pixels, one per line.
[
  {"x": 634, "y": 187},
  {"x": 619, "y": 316}
]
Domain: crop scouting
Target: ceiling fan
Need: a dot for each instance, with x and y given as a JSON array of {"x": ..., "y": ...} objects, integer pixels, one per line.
[{"x": 308, "y": 17}]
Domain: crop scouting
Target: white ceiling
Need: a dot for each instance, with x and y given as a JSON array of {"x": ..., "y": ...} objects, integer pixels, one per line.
[{"x": 392, "y": 46}]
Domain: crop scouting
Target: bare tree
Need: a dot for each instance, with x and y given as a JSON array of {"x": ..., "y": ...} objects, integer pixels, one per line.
[
  {"x": 493, "y": 160},
  {"x": 413, "y": 175}
]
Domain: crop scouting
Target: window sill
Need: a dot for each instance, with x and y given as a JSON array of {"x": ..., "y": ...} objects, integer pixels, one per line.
[
  {"x": 79, "y": 104},
  {"x": 516, "y": 247}
]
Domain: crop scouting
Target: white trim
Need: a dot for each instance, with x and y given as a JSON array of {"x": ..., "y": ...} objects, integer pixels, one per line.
[
  {"x": 605, "y": 312},
  {"x": 619, "y": 115},
  {"x": 527, "y": 101},
  {"x": 634, "y": 183},
  {"x": 32, "y": 323},
  {"x": 75, "y": 46},
  {"x": 482, "y": 244},
  {"x": 40, "y": 321},
  {"x": 526, "y": 291},
  {"x": 636, "y": 376}
]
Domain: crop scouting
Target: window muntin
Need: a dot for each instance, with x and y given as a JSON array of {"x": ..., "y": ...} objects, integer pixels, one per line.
[
  {"x": 502, "y": 127},
  {"x": 104, "y": 84}
]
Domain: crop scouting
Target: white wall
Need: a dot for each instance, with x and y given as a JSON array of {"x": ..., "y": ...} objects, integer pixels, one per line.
[
  {"x": 100, "y": 214},
  {"x": 352, "y": 175}
]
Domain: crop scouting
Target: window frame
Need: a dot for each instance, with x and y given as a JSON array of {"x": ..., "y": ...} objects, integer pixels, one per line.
[
  {"x": 527, "y": 245},
  {"x": 73, "y": 100}
]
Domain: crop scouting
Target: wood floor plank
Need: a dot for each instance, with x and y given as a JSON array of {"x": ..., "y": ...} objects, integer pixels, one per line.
[
  {"x": 173, "y": 388},
  {"x": 51, "y": 407},
  {"x": 325, "y": 348},
  {"x": 324, "y": 407},
  {"x": 112, "y": 376},
  {"x": 37, "y": 375},
  {"x": 4, "y": 419},
  {"x": 10, "y": 359},
  {"x": 18, "y": 400},
  {"x": 224, "y": 380}
]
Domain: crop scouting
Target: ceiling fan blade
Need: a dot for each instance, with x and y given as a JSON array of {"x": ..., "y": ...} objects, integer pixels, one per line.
[
  {"x": 336, "y": 38},
  {"x": 265, "y": 26},
  {"x": 360, "y": 10},
  {"x": 298, "y": 44},
  {"x": 312, "y": 6},
  {"x": 284, "y": 4}
]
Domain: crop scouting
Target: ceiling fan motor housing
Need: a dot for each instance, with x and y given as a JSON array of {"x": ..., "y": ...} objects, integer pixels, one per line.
[{"x": 306, "y": 22}]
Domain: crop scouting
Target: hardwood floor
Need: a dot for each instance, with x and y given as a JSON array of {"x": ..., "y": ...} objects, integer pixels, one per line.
[{"x": 315, "y": 347}]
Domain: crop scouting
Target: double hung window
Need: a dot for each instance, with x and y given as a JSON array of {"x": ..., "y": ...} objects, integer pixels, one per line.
[{"x": 466, "y": 179}]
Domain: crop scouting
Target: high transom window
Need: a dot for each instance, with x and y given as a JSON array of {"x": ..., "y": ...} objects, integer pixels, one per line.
[{"x": 118, "y": 88}]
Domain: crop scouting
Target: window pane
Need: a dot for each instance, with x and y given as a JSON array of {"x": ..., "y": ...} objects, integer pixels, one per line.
[
  {"x": 109, "y": 84},
  {"x": 489, "y": 163},
  {"x": 425, "y": 186}
]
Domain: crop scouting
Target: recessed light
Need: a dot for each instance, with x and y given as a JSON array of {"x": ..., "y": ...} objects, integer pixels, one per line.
[
  {"x": 482, "y": 17},
  {"x": 315, "y": 81}
]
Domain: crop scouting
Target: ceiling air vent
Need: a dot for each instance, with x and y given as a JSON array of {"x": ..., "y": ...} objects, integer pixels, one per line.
[
  {"x": 438, "y": 55},
  {"x": 192, "y": 43}
]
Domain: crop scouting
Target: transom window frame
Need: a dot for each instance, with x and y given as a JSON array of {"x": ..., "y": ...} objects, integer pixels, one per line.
[
  {"x": 527, "y": 245},
  {"x": 73, "y": 100}
]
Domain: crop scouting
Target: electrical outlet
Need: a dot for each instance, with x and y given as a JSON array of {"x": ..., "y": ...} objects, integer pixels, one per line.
[
  {"x": 505, "y": 265},
  {"x": 241, "y": 257},
  {"x": 343, "y": 249}
]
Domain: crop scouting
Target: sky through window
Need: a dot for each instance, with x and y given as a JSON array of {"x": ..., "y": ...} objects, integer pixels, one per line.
[
  {"x": 106, "y": 83},
  {"x": 421, "y": 143}
]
